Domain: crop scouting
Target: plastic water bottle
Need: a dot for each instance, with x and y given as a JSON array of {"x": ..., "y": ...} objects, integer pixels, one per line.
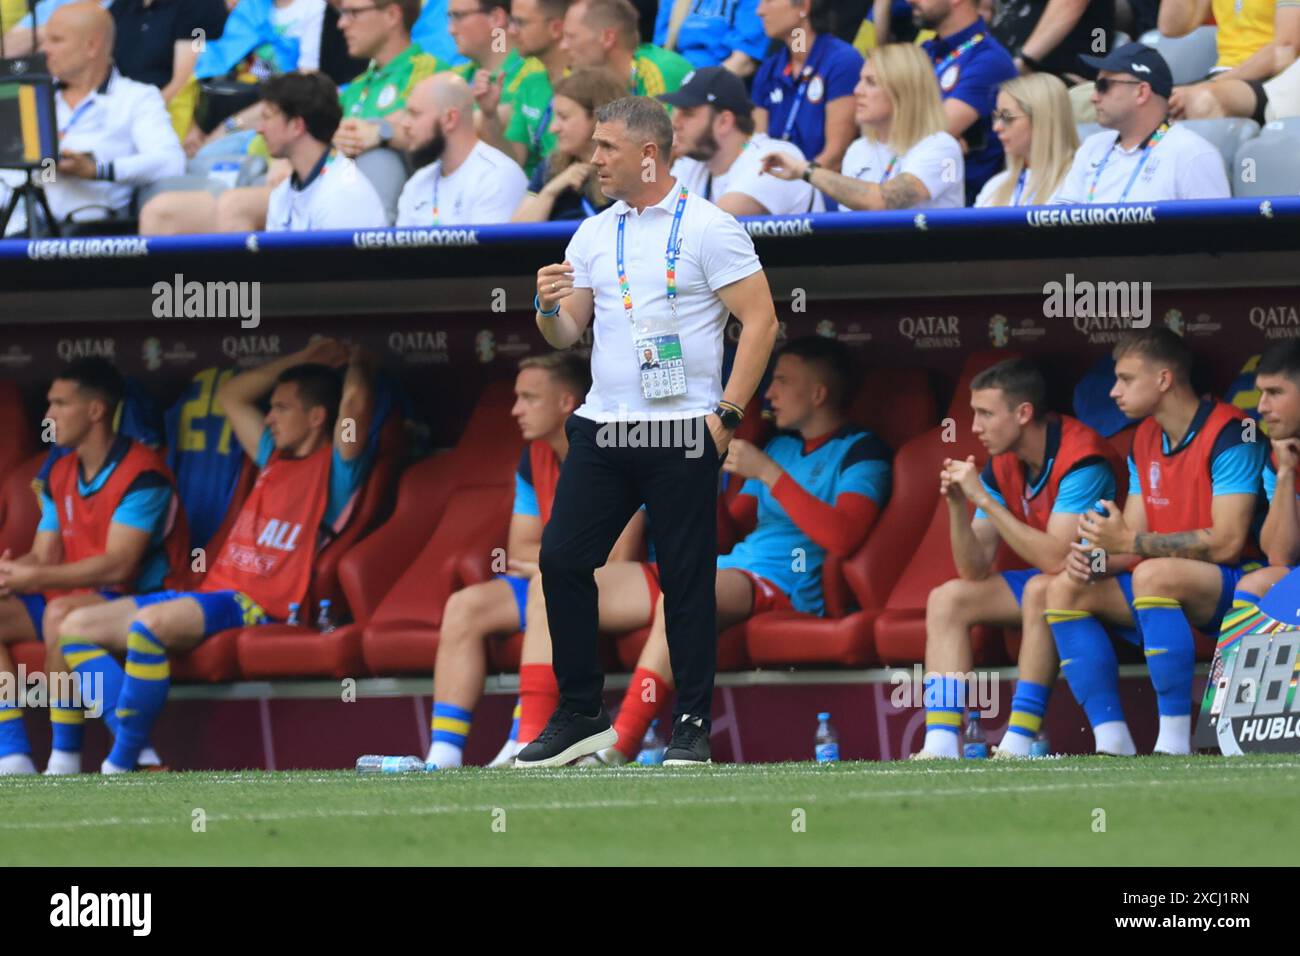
[
  {"x": 324, "y": 622},
  {"x": 1040, "y": 747},
  {"x": 293, "y": 619},
  {"x": 226, "y": 172},
  {"x": 974, "y": 746},
  {"x": 826, "y": 745},
  {"x": 376, "y": 763},
  {"x": 652, "y": 747}
]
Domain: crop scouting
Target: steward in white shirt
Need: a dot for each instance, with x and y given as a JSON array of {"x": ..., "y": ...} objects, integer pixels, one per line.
[
  {"x": 1140, "y": 156},
  {"x": 657, "y": 271},
  {"x": 906, "y": 159},
  {"x": 720, "y": 155},
  {"x": 300, "y": 112},
  {"x": 459, "y": 179},
  {"x": 114, "y": 133}
]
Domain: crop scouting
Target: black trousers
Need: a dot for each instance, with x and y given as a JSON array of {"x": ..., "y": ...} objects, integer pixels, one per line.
[{"x": 610, "y": 471}]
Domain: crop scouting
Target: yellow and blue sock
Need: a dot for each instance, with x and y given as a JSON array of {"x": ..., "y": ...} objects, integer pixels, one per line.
[
  {"x": 13, "y": 735},
  {"x": 1027, "y": 709},
  {"x": 99, "y": 678},
  {"x": 1088, "y": 664},
  {"x": 1170, "y": 652},
  {"x": 945, "y": 701},
  {"x": 514, "y": 721},
  {"x": 450, "y": 731},
  {"x": 144, "y": 691}
]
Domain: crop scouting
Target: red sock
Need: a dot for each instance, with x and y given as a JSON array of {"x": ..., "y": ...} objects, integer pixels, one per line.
[
  {"x": 539, "y": 695},
  {"x": 644, "y": 697}
]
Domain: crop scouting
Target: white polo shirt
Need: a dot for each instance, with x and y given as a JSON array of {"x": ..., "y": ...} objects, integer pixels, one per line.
[
  {"x": 487, "y": 188},
  {"x": 715, "y": 251},
  {"x": 936, "y": 161},
  {"x": 123, "y": 123},
  {"x": 985, "y": 197},
  {"x": 1182, "y": 165},
  {"x": 779, "y": 197},
  {"x": 337, "y": 195}
]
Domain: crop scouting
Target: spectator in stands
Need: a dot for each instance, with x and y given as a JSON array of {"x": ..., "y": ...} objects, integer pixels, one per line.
[
  {"x": 720, "y": 156},
  {"x": 816, "y": 489},
  {"x": 1036, "y": 127},
  {"x": 1047, "y": 36},
  {"x": 313, "y": 455},
  {"x": 1172, "y": 558},
  {"x": 538, "y": 26},
  {"x": 1044, "y": 470},
  {"x": 1264, "y": 47},
  {"x": 108, "y": 526},
  {"x": 114, "y": 133},
  {"x": 300, "y": 112},
  {"x": 906, "y": 160},
  {"x": 603, "y": 34},
  {"x": 459, "y": 179},
  {"x": 970, "y": 66},
  {"x": 1145, "y": 158},
  {"x": 547, "y": 390},
  {"x": 728, "y": 34},
  {"x": 567, "y": 187},
  {"x": 495, "y": 68},
  {"x": 803, "y": 93}
]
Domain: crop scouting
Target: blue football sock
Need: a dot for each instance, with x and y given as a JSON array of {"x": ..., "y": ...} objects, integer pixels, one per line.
[
  {"x": 1028, "y": 707},
  {"x": 1088, "y": 664},
  {"x": 945, "y": 701},
  {"x": 144, "y": 691},
  {"x": 514, "y": 722},
  {"x": 99, "y": 677},
  {"x": 451, "y": 724},
  {"x": 1170, "y": 652},
  {"x": 13, "y": 735}
]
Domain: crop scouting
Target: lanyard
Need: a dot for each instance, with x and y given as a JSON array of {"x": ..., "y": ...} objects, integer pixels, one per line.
[
  {"x": 1020, "y": 187},
  {"x": 708, "y": 185},
  {"x": 670, "y": 261},
  {"x": 77, "y": 114},
  {"x": 1152, "y": 142},
  {"x": 889, "y": 169},
  {"x": 631, "y": 81},
  {"x": 587, "y": 207},
  {"x": 541, "y": 127},
  {"x": 805, "y": 77},
  {"x": 952, "y": 57},
  {"x": 436, "y": 180},
  {"x": 320, "y": 170}
]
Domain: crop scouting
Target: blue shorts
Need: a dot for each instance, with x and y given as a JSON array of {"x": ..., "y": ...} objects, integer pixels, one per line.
[
  {"x": 519, "y": 585},
  {"x": 1016, "y": 580},
  {"x": 35, "y": 604},
  {"x": 1230, "y": 574},
  {"x": 222, "y": 610}
]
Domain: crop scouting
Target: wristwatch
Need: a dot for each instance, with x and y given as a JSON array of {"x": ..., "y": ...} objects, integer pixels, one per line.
[
  {"x": 385, "y": 132},
  {"x": 808, "y": 170},
  {"x": 731, "y": 418}
]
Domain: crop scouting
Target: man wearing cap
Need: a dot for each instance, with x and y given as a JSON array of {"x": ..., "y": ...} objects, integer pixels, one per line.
[
  {"x": 1141, "y": 156},
  {"x": 720, "y": 157}
]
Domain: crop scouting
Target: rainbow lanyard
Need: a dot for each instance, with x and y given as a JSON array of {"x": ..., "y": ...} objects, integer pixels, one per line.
[
  {"x": 1020, "y": 187},
  {"x": 1152, "y": 142},
  {"x": 541, "y": 126},
  {"x": 805, "y": 77},
  {"x": 952, "y": 57},
  {"x": 670, "y": 260},
  {"x": 889, "y": 170}
]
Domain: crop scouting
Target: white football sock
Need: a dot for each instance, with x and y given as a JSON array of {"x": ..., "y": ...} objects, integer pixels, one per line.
[
  {"x": 1113, "y": 738},
  {"x": 149, "y": 758},
  {"x": 508, "y": 753},
  {"x": 63, "y": 762},
  {"x": 941, "y": 743},
  {"x": 109, "y": 767},
  {"x": 444, "y": 756},
  {"x": 1175, "y": 735},
  {"x": 16, "y": 764},
  {"x": 1017, "y": 744}
]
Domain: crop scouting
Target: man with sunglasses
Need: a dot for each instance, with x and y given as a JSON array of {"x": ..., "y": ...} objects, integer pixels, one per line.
[{"x": 1141, "y": 156}]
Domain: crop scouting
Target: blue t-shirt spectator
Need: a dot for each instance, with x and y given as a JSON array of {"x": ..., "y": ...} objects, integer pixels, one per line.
[
  {"x": 796, "y": 105},
  {"x": 970, "y": 66},
  {"x": 714, "y": 29}
]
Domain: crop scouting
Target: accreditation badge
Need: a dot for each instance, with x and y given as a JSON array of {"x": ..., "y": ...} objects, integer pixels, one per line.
[
  {"x": 949, "y": 78},
  {"x": 816, "y": 89},
  {"x": 663, "y": 369},
  {"x": 387, "y": 97}
]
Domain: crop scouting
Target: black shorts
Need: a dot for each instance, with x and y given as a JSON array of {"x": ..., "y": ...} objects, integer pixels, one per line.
[{"x": 1256, "y": 87}]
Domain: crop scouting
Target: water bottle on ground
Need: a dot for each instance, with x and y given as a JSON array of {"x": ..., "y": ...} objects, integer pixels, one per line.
[
  {"x": 376, "y": 763},
  {"x": 652, "y": 747},
  {"x": 293, "y": 620},
  {"x": 826, "y": 745},
  {"x": 973, "y": 744},
  {"x": 1040, "y": 747},
  {"x": 324, "y": 621}
]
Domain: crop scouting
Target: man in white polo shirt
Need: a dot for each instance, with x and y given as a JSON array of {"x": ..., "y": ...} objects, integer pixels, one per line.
[
  {"x": 721, "y": 157},
  {"x": 1146, "y": 158},
  {"x": 114, "y": 133},
  {"x": 659, "y": 269},
  {"x": 300, "y": 112},
  {"x": 460, "y": 179}
]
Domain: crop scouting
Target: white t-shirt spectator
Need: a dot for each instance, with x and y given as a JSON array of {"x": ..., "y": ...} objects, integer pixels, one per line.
[
  {"x": 125, "y": 126},
  {"x": 485, "y": 189},
  {"x": 746, "y": 175},
  {"x": 985, "y": 198},
  {"x": 936, "y": 161},
  {"x": 337, "y": 195},
  {"x": 1182, "y": 165},
  {"x": 302, "y": 20},
  {"x": 715, "y": 252}
]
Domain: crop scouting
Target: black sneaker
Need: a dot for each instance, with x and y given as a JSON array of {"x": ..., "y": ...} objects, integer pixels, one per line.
[
  {"x": 568, "y": 737},
  {"x": 690, "y": 743}
]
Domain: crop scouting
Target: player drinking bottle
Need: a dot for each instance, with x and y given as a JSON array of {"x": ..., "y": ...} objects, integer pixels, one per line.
[{"x": 974, "y": 746}]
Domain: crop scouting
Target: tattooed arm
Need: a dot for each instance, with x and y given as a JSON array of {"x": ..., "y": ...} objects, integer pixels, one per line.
[
  {"x": 1221, "y": 543},
  {"x": 902, "y": 192}
]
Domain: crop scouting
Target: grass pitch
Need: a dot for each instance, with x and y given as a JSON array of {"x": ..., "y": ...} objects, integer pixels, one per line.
[{"x": 1157, "y": 811}]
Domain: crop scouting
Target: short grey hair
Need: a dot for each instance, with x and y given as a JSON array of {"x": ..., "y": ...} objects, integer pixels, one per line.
[{"x": 643, "y": 117}]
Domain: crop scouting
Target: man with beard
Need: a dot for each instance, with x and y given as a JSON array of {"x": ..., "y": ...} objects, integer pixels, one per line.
[
  {"x": 720, "y": 157},
  {"x": 460, "y": 179}
]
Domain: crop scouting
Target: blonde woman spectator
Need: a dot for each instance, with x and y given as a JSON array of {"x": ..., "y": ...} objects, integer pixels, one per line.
[
  {"x": 906, "y": 159},
  {"x": 1034, "y": 123}
]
